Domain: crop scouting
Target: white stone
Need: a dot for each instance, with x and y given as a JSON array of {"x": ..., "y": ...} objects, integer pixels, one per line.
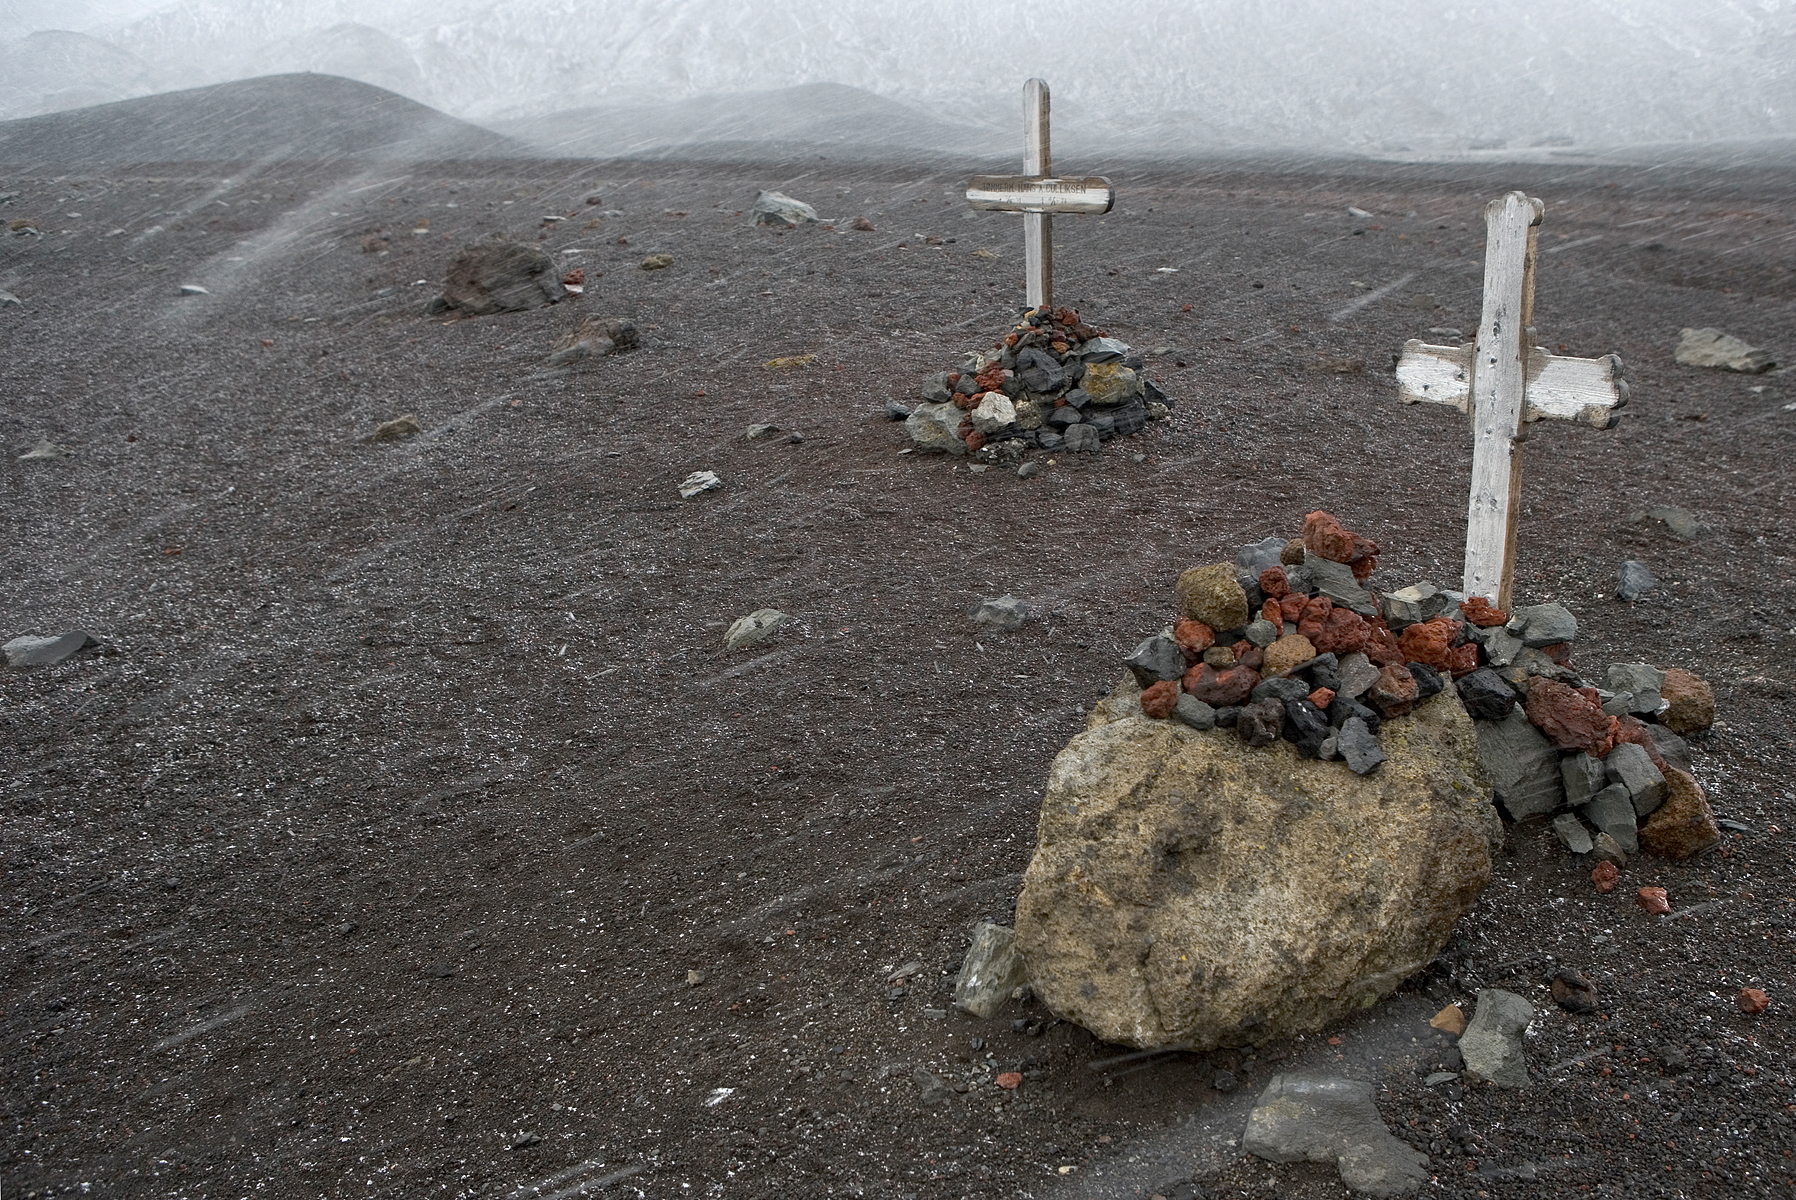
[{"x": 993, "y": 412}]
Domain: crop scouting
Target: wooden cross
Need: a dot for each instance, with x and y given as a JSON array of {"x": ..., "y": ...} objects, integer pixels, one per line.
[
  {"x": 1504, "y": 381},
  {"x": 1038, "y": 195}
]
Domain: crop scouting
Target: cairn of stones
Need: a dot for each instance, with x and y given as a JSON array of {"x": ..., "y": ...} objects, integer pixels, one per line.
[
  {"x": 1052, "y": 383},
  {"x": 1289, "y": 642}
]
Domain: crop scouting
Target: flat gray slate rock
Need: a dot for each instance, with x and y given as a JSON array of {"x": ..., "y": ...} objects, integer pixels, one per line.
[
  {"x": 1492, "y": 1043},
  {"x": 1712, "y": 348},
  {"x": 45, "y": 651},
  {"x": 1323, "y": 1118}
]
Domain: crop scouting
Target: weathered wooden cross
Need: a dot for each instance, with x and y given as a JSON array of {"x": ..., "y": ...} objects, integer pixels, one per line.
[
  {"x": 1504, "y": 381},
  {"x": 1038, "y": 195}
]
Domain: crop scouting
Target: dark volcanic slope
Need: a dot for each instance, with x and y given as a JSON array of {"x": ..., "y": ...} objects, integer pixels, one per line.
[
  {"x": 373, "y": 860},
  {"x": 273, "y": 118}
]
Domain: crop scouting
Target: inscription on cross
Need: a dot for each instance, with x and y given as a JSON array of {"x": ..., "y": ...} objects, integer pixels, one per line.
[
  {"x": 1503, "y": 381},
  {"x": 1038, "y": 195}
]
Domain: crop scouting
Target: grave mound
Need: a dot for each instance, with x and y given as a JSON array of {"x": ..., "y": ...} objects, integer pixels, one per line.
[{"x": 1052, "y": 383}]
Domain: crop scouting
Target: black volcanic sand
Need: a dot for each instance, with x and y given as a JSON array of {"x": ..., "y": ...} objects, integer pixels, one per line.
[{"x": 415, "y": 781}]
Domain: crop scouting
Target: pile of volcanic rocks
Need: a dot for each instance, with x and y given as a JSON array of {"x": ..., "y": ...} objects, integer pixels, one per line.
[
  {"x": 1289, "y": 642},
  {"x": 1052, "y": 383}
]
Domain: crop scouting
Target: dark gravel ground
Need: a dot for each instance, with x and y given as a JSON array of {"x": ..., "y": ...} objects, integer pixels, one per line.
[{"x": 373, "y": 855}]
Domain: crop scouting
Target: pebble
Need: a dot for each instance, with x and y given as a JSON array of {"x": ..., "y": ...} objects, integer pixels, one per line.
[
  {"x": 1605, "y": 875},
  {"x": 699, "y": 481},
  {"x": 657, "y": 262},
  {"x": 1653, "y": 900},
  {"x": 1752, "y": 1000},
  {"x": 1029, "y": 470},
  {"x": 756, "y": 627},
  {"x": 1634, "y": 580},
  {"x": 1224, "y": 1081},
  {"x": 194, "y": 289},
  {"x": 1004, "y": 612},
  {"x": 896, "y": 411},
  {"x": 1573, "y": 991}
]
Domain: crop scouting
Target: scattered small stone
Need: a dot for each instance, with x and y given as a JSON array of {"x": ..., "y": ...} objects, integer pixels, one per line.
[
  {"x": 1630, "y": 768},
  {"x": 523, "y": 1140},
  {"x": 1544, "y": 625},
  {"x": 1029, "y": 470},
  {"x": 1492, "y": 1042},
  {"x": 863, "y": 225},
  {"x": 1005, "y": 612},
  {"x": 1605, "y": 875},
  {"x": 699, "y": 481},
  {"x": 596, "y": 337},
  {"x": 1436, "y": 1078},
  {"x": 1607, "y": 849},
  {"x": 756, "y": 627},
  {"x": 1612, "y": 812},
  {"x": 397, "y": 429},
  {"x": 782, "y": 211},
  {"x": 45, "y": 451},
  {"x": 790, "y": 362},
  {"x": 932, "y": 1089},
  {"x": 1573, "y": 992},
  {"x": 694, "y": 978},
  {"x": 1572, "y": 833},
  {"x": 1653, "y": 900},
  {"x": 1752, "y": 1000},
  {"x": 194, "y": 289},
  {"x": 1634, "y": 580},
  {"x": 990, "y": 972},
  {"x": 500, "y": 275},
  {"x": 8, "y": 300},
  {"x": 1009, "y": 1080},
  {"x": 1450, "y": 1019},
  {"x": 896, "y": 411},
  {"x": 759, "y": 430},
  {"x": 656, "y": 262},
  {"x": 1224, "y": 1081},
  {"x": 1681, "y": 522},
  {"x": 1710, "y": 347}
]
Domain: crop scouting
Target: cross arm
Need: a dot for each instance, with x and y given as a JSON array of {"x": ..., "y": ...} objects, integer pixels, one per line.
[
  {"x": 1591, "y": 390},
  {"x": 1041, "y": 194}
]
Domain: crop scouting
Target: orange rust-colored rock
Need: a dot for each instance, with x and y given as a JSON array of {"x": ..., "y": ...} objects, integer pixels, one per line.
[
  {"x": 1274, "y": 583},
  {"x": 1430, "y": 642},
  {"x": 1326, "y": 537},
  {"x": 1010, "y": 1080},
  {"x": 1684, "y": 825},
  {"x": 1463, "y": 659},
  {"x": 1333, "y": 630},
  {"x": 1322, "y": 698},
  {"x": 1292, "y": 606},
  {"x": 1482, "y": 612},
  {"x": 1160, "y": 699},
  {"x": 1692, "y": 702},
  {"x": 1450, "y": 1019},
  {"x": 1380, "y": 646},
  {"x": 1752, "y": 1000},
  {"x": 1605, "y": 875},
  {"x": 1653, "y": 900},
  {"x": 1569, "y": 720},
  {"x": 1287, "y": 652},
  {"x": 1271, "y": 611},
  {"x": 1394, "y": 693},
  {"x": 1221, "y": 688},
  {"x": 1193, "y": 637},
  {"x": 1363, "y": 567}
]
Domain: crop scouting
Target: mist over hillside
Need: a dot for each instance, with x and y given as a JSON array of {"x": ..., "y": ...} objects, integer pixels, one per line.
[{"x": 1396, "y": 78}]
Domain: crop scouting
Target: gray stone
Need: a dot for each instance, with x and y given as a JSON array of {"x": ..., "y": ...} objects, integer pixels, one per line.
[
  {"x": 935, "y": 390},
  {"x": 1029, "y": 470},
  {"x": 8, "y": 300},
  {"x": 1571, "y": 831},
  {"x": 1492, "y": 1042},
  {"x": 1529, "y": 661},
  {"x": 1028, "y": 415},
  {"x": 1543, "y": 625},
  {"x": 932, "y": 1089},
  {"x": 1634, "y": 580},
  {"x": 759, "y": 430},
  {"x": 1327, "y": 1119},
  {"x": 1261, "y": 632},
  {"x": 1612, "y": 811},
  {"x": 45, "y": 451},
  {"x": 1103, "y": 349},
  {"x": 1189, "y": 890},
  {"x": 994, "y": 412},
  {"x": 1063, "y": 416},
  {"x": 1040, "y": 371},
  {"x": 1607, "y": 849},
  {"x": 1335, "y": 580},
  {"x": 1681, "y": 522},
  {"x": 1632, "y": 768},
  {"x": 46, "y": 651},
  {"x": 1641, "y": 682},
  {"x": 782, "y": 211},
  {"x": 1486, "y": 695},
  {"x": 1194, "y": 712},
  {"x": 1672, "y": 748},
  {"x": 1282, "y": 688},
  {"x": 1357, "y": 674},
  {"x": 1330, "y": 749},
  {"x": 991, "y": 970},
  {"x": 1004, "y": 612},
  {"x": 1154, "y": 659},
  {"x": 1583, "y": 777},
  {"x": 756, "y": 627},
  {"x": 896, "y": 411},
  {"x": 596, "y": 337},
  {"x": 1522, "y": 765},
  {"x": 1358, "y": 746},
  {"x": 499, "y": 275},
  {"x": 699, "y": 481},
  {"x": 1049, "y": 441},
  {"x": 1710, "y": 347},
  {"x": 1254, "y": 558},
  {"x": 1413, "y": 605},
  {"x": 1084, "y": 438},
  {"x": 936, "y": 427}
]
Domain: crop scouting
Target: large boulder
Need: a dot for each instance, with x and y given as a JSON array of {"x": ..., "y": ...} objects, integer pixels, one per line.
[
  {"x": 500, "y": 275},
  {"x": 1190, "y": 890}
]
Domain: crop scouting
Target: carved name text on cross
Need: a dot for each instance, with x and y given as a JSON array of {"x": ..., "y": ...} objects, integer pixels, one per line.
[
  {"x": 1038, "y": 195},
  {"x": 1504, "y": 381}
]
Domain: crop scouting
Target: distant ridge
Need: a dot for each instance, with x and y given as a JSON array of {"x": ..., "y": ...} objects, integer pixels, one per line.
[
  {"x": 271, "y": 118},
  {"x": 818, "y": 118}
]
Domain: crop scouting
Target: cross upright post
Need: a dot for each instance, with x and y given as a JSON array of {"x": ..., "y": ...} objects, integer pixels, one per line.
[
  {"x": 1037, "y": 194},
  {"x": 1503, "y": 381}
]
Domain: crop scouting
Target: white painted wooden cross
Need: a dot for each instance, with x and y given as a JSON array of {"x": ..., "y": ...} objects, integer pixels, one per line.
[
  {"x": 1504, "y": 381},
  {"x": 1038, "y": 195}
]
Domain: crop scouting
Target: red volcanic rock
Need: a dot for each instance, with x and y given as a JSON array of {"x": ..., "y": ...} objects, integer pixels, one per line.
[
  {"x": 1221, "y": 688},
  {"x": 953, "y": 378},
  {"x": 1159, "y": 700},
  {"x": 1559, "y": 652},
  {"x": 1395, "y": 691},
  {"x": 1482, "y": 612},
  {"x": 1605, "y": 875},
  {"x": 967, "y": 403},
  {"x": 1653, "y": 900},
  {"x": 1193, "y": 637},
  {"x": 1341, "y": 632},
  {"x": 1322, "y": 698},
  {"x": 991, "y": 379},
  {"x": 1464, "y": 660},
  {"x": 1270, "y": 611},
  {"x": 1274, "y": 583},
  {"x": 975, "y": 440},
  {"x": 1590, "y": 694},
  {"x": 1380, "y": 646},
  {"x": 1569, "y": 720},
  {"x": 1430, "y": 642},
  {"x": 1292, "y": 606},
  {"x": 1363, "y": 567},
  {"x": 1752, "y": 1000},
  {"x": 1325, "y": 537},
  {"x": 1252, "y": 657},
  {"x": 1633, "y": 729}
]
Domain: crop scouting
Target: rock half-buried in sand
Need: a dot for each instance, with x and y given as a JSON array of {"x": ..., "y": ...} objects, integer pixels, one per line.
[{"x": 1188, "y": 889}]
